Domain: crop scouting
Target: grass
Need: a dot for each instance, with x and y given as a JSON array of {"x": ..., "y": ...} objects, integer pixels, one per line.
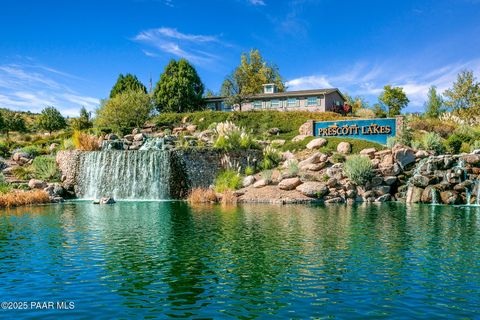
[
  {"x": 358, "y": 168},
  {"x": 45, "y": 168},
  {"x": 228, "y": 180},
  {"x": 200, "y": 195},
  {"x": 85, "y": 142},
  {"x": 332, "y": 143},
  {"x": 21, "y": 198}
]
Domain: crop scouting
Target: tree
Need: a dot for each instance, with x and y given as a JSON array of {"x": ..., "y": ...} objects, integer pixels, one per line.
[
  {"x": 50, "y": 119},
  {"x": 248, "y": 79},
  {"x": 11, "y": 121},
  {"x": 356, "y": 102},
  {"x": 465, "y": 92},
  {"x": 84, "y": 121},
  {"x": 129, "y": 82},
  {"x": 434, "y": 104},
  {"x": 379, "y": 111},
  {"x": 124, "y": 111},
  {"x": 179, "y": 89},
  {"x": 394, "y": 99}
]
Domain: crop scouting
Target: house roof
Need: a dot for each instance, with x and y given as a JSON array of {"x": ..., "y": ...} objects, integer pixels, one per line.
[{"x": 287, "y": 94}]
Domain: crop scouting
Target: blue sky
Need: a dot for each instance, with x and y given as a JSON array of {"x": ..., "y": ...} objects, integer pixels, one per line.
[{"x": 69, "y": 53}]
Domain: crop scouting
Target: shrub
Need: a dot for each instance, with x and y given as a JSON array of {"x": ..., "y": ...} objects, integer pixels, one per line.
[
  {"x": 358, "y": 168},
  {"x": 338, "y": 158},
  {"x": 199, "y": 195},
  {"x": 230, "y": 137},
  {"x": 228, "y": 180},
  {"x": 271, "y": 158},
  {"x": 391, "y": 141},
  {"x": 4, "y": 150},
  {"x": 85, "y": 142},
  {"x": 68, "y": 144},
  {"x": 21, "y": 198},
  {"x": 4, "y": 186},
  {"x": 432, "y": 142},
  {"x": 22, "y": 173},
  {"x": 475, "y": 145},
  {"x": 454, "y": 143},
  {"x": 45, "y": 168},
  {"x": 249, "y": 170},
  {"x": 365, "y": 113},
  {"x": 267, "y": 175},
  {"x": 292, "y": 166},
  {"x": 32, "y": 151}
]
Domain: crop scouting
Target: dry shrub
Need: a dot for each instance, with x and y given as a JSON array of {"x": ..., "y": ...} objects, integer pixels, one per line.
[
  {"x": 21, "y": 198},
  {"x": 199, "y": 195},
  {"x": 229, "y": 197},
  {"x": 85, "y": 142}
]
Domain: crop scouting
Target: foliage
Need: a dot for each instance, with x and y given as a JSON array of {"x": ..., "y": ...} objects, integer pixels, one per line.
[
  {"x": 124, "y": 112},
  {"x": 249, "y": 170},
  {"x": 199, "y": 195},
  {"x": 248, "y": 79},
  {"x": 394, "y": 98},
  {"x": 434, "y": 104},
  {"x": 358, "y": 168},
  {"x": 45, "y": 168},
  {"x": 4, "y": 150},
  {"x": 405, "y": 136},
  {"x": 11, "y": 121},
  {"x": 21, "y": 198},
  {"x": 365, "y": 113},
  {"x": 379, "y": 111},
  {"x": 391, "y": 141},
  {"x": 271, "y": 158},
  {"x": 465, "y": 92},
  {"x": 292, "y": 167},
  {"x": 179, "y": 88},
  {"x": 358, "y": 103},
  {"x": 338, "y": 158},
  {"x": 51, "y": 119},
  {"x": 475, "y": 145},
  {"x": 432, "y": 141},
  {"x": 230, "y": 137},
  {"x": 85, "y": 142},
  {"x": 228, "y": 180},
  {"x": 454, "y": 143},
  {"x": 127, "y": 83},
  {"x": 32, "y": 150},
  {"x": 267, "y": 175},
  {"x": 22, "y": 173},
  {"x": 84, "y": 121},
  {"x": 4, "y": 186}
]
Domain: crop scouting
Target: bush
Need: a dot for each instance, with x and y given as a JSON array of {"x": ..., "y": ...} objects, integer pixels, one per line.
[
  {"x": 338, "y": 158},
  {"x": 358, "y": 168},
  {"x": 21, "y": 198},
  {"x": 475, "y": 145},
  {"x": 85, "y": 142},
  {"x": 292, "y": 166},
  {"x": 267, "y": 175},
  {"x": 4, "y": 150},
  {"x": 231, "y": 137},
  {"x": 271, "y": 158},
  {"x": 4, "y": 186},
  {"x": 249, "y": 170},
  {"x": 454, "y": 143},
  {"x": 432, "y": 142},
  {"x": 32, "y": 151},
  {"x": 228, "y": 180},
  {"x": 365, "y": 113},
  {"x": 45, "y": 168},
  {"x": 22, "y": 173}
]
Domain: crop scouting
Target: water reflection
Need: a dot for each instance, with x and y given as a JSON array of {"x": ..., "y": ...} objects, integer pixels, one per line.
[{"x": 167, "y": 259}]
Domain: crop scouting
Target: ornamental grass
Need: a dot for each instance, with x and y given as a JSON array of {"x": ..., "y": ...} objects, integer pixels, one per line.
[{"x": 21, "y": 198}]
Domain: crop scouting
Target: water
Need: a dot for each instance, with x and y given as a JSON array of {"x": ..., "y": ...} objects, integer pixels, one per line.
[
  {"x": 169, "y": 260},
  {"x": 124, "y": 175}
]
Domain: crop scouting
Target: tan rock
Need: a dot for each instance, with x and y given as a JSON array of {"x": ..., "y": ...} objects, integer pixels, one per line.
[
  {"x": 344, "y": 147},
  {"x": 316, "y": 143},
  {"x": 370, "y": 152},
  {"x": 290, "y": 183}
]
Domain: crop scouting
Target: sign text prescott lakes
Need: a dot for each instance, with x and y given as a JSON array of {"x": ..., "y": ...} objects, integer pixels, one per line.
[{"x": 375, "y": 130}]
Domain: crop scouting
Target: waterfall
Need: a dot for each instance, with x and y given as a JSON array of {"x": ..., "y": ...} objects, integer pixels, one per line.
[
  {"x": 434, "y": 196},
  {"x": 124, "y": 175}
]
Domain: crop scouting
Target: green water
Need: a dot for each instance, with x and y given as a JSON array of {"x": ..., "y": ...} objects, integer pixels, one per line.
[{"x": 170, "y": 260}]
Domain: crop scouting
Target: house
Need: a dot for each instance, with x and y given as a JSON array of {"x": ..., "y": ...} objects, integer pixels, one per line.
[{"x": 319, "y": 100}]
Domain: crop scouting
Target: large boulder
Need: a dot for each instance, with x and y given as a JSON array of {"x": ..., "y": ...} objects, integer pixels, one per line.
[
  {"x": 138, "y": 137},
  {"x": 344, "y": 148},
  {"x": 450, "y": 197},
  {"x": 370, "y": 152},
  {"x": 290, "y": 183},
  {"x": 423, "y": 181},
  {"x": 317, "y": 157},
  {"x": 107, "y": 200},
  {"x": 404, "y": 156},
  {"x": 273, "y": 131},
  {"x": 299, "y": 138},
  {"x": 414, "y": 194},
  {"x": 313, "y": 189},
  {"x": 260, "y": 183},
  {"x": 314, "y": 166},
  {"x": 37, "y": 184},
  {"x": 420, "y": 154},
  {"x": 316, "y": 143},
  {"x": 473, "y": 159},
  {"x": 248, "y": 181}
]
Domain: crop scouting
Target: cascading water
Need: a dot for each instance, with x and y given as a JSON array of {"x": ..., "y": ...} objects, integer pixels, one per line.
[{"x": 124, "y": 175}]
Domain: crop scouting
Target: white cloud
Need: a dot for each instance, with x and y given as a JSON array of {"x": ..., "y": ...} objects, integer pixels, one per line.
[
  {"x": 31, "y": 87},
  {"x": 308, "y": 82},
  {"x": 197, "y": 48},
  {"x": 257, "y": 2}
]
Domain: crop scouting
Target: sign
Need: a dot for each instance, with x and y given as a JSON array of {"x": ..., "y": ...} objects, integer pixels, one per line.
[{"x": 375, "y": 130}]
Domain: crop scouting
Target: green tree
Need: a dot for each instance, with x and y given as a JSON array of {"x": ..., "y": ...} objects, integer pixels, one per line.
[
  {"x": 129, "y": 82},
  {"x": 84, "y": 121},
  {"x": 379, "y": 111},
  {"x": 50, "y": 119},
  {"x": 11, "y": 121},
  {"x": 394, "y": 99},
  {"x": 465, "y": 92},
  {"x": 356, "y": 102},
  {"x": 124, "y": 111},
  {"x": 179, "y": 89},
  {"x": 434, "y": 104},
  {"x": 248, "y": 79}
]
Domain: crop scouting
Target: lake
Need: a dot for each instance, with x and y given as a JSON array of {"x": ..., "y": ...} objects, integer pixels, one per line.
[{"x": 172, "y": 260}]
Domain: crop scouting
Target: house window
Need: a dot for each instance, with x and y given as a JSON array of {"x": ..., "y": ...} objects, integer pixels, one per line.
[
  {"x": 312, "y": 101},
  {"x": 292, "y": 102},
  {"x": 268, "y": 89},
  {"x": 275, "y": 103},
  {"x": 257, "y": 104}
]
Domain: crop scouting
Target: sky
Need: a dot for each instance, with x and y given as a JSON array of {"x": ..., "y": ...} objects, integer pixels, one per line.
[{"x": 68, "y": 54}]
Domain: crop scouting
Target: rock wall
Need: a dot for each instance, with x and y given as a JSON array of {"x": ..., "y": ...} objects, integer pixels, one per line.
[{"x": 68, "y": 162}]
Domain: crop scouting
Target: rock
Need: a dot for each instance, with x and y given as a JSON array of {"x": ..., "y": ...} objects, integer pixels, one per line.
[
  {"x": 306, "y": 129},
  {"x": 138, "y": 137},
  {"x": 290, "y": 183},
  {"x": 421, "y": 154},
  {"x": 52, "y": 147},
  {"x": 107, "y": 200},
  {"x": 404, "y": 156},
  {"x": 383, "y": 153},
  {"x": 56, "y": 199},
  {"x": 128, "y": 137},
  {"x": 315, "y": 158},
  {"x": 335, "y": 200},
  {"x": 332, "y": 183},
  {"x": 316, "y": 143},
  {"x": 390, "y": 170},
  {"x": 376, "y": 181},
  {"x": 111, "y": 136},
  {"x": 370, "y": 152},
  {"x": 450, "y": 197},
  {"x": 278, "y": 142},
  {"x": 414, "y": 194},
  {"x": 381, "y": 190},
  {"x": 313, "y": 189},
  {"x": 467, "y": 184},
  {"x": 335, "y": 171},
  {"x": 37, "y": 184},
  {"x": 248, "y": 181},
  {"x": 299, "y": 138},
  {"x": 19, "y": 155},
  {"x": 427, "y": 194},
  {"x": 260, "y": 183},
  {"x": 473, "y": 159},
  {"x": 273, "y": 131},
  {"x": 384, "y": 198},
  {"x": 136, "y": 131},
  {"x": 191, "y": 128},
  {"x": 288, "y": 156},
  {"x": 314, "y": 166},
  {"x": 390, "y": 180},
  {"x": 344, "y": 147},
  {"x": 421, "y": 181},
  {"x": 476, "y": 151}
]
